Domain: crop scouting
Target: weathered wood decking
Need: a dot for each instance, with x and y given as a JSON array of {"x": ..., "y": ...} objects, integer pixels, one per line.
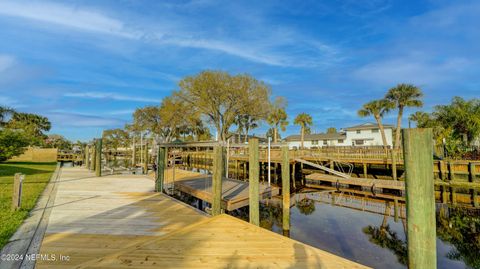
[
  {"x": 317, "y": 178},
  {"x": 118, "y": 222},
  {"x": 234, "y": 192}
]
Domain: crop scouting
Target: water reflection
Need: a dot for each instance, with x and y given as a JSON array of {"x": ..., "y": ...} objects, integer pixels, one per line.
[{"x": 364, "y": 229}]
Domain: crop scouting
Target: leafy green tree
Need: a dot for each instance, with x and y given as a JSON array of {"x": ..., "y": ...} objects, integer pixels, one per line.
[
  {"x": 305, "y": 121},
  {"x": 461, "y": 116},
  {"x": 220, "y": 97},
  {"x": 33, "y": 126},
  {"x": 58, "y": 141},
  {"x": 277, "y": 117},
  {"x": 12, "y": 143},
  {"x": 403, "y": 95},
  {"x": 377, "y": 109},
  {"x": 422, "y": 119}
]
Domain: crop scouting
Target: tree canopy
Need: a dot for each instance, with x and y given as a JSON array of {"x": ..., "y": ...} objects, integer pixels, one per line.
[{"x": 221, "y": 97}]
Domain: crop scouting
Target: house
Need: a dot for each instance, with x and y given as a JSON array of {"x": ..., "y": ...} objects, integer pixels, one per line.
[
  {"x": 367, "y": 134},
  {"x": 316, "y": 140}
]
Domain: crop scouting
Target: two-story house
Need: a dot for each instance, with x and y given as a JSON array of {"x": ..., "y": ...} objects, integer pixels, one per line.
[{"x": 367, "y": 134}]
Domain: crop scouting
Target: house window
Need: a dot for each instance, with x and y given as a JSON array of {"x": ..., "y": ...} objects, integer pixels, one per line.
[
  {"x": 359, "y": 142},
  {"x": 374, "y": 130},
  {"x": 359, "y": 131},
  {"x": 325, "y": 142},
  {"x": 314, "y": 142},
  {"x": 340, "y": 141}
]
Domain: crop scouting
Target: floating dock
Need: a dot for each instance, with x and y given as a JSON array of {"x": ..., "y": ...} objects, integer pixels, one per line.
[{"x": 234, "y": 192}]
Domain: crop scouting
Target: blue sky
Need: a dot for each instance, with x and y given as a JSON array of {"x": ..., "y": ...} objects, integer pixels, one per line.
[{"x": 87, "y": 65}]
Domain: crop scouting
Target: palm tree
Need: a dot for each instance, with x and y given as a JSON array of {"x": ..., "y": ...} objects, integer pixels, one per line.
[
  {"x": 420, "y": 118},
  {"x": 246, "y": 123},
  {"x": 403, "y": 95},
  {"x": 278, "y": 120},
  {"x": 305, "y": 121},
  {"x": 378, "y": 109}
]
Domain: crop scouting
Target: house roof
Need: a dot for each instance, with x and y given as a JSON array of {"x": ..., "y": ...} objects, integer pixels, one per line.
[
  {"x": 319, "y": 136},
  {"x": 367, "y": 126}
]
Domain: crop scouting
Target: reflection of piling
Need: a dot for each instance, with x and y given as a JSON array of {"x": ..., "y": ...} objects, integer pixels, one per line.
[
  {"x": 254, "y": 214},
  {"x": 421, "y": 234},
  {"x": 286, "y": 188},
  {"x": 98, "y": 157}
]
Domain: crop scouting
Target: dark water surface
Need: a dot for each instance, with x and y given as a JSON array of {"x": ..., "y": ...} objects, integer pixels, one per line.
[{"x": 372, "y": 239}]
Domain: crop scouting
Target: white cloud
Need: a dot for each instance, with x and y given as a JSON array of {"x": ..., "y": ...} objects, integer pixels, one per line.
[
  {"x": 6, "y": 61},
  {"x": 66, "y": 16},
  {"x": 269, "y": 50},
  {"x": 412, "y": 70},
  {"x": 80, "y": 120},
  {"x": 112, "y": 96}
]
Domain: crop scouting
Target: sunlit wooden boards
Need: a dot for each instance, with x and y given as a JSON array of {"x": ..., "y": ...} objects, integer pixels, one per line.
[{"x": 118, "y": 222}]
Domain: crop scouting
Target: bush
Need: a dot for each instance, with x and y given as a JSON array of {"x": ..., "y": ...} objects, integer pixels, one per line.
[{"x": 12, "y": 143}]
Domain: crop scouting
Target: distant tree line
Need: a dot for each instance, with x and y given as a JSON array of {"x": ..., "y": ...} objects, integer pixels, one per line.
[
  {"x": 19, "y": 130},
  {"x": 455, "y": 125}
]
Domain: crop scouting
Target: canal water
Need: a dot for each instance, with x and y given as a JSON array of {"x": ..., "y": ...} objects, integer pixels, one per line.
[{"x": 355, "y": 231}]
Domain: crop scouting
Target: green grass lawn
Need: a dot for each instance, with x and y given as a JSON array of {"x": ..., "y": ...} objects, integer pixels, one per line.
[{"x": 37, "y": 175}]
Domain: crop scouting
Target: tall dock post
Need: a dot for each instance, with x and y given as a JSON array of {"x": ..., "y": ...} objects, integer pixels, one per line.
[
  {"x": 160, "y": 173},
  {"x": 254, "y": 213},
  {"x": 87, "y": 156},
  {"x": 394, "y": 164},
  {"x": 94, "y": 155},
  {"x": 286, "y": 189},
  {"x": 145, "y": 158},
  {"x": 420, "y": 197},
  {"x": 98, "y": 157},
  {"x": 134, "y": 153},
  {"x": 217, "y": 180}
]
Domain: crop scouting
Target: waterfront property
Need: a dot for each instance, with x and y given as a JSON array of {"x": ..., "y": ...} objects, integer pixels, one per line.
[
  {"x": 119, "y": 221},
  {"x": 367, "y": 134}
]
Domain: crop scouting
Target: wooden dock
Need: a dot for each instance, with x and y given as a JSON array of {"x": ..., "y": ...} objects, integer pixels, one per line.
[
  {"x": 118, "y": 221},
  {"x": 234, "y": 192},
  {"x": 318, "y": 178}
]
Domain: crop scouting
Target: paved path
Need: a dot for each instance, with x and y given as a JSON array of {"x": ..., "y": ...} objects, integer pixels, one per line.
[{"x": 119, "y": 222}]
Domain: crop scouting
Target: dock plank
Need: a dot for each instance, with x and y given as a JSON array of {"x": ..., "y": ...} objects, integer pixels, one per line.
[{"x": 118, "y": 222}]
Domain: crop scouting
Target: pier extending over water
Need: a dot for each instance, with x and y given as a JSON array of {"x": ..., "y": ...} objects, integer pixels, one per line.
[{"x": 118, "y": 221}]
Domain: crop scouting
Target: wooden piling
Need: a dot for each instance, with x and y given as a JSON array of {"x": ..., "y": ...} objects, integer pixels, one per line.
[
  {"x": 394, "y": 164},
  {"x": 145, "y": 158},
  {"x": 134, "y": 153},
  {"x": 87, "y": 156},
  {"x": 17, "y": 192},
  {"x": 98, "y": 157},
  {"x": 471, "y": 178},
  {"x": 420, "y": 198},
  {"x": 285, "y": 188},
  {"x": 254, "y": 214},
  {"x": 160, "y": 173},
  {"x": 94, "y": 155},
  {"x": 365, "y": 171},
  {"x": 217, "y": 180}
]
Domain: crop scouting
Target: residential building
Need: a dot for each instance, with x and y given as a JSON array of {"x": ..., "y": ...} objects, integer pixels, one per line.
[{"x": 367, "y": 134}]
